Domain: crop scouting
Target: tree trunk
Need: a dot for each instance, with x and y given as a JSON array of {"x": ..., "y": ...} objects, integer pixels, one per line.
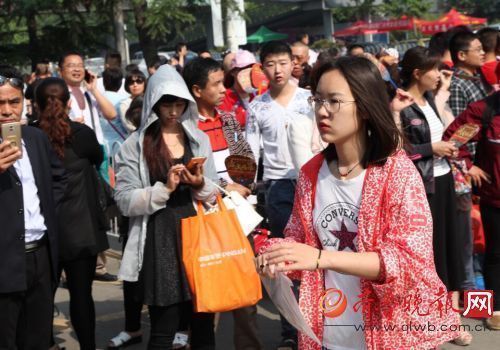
[
  {"x": 119, "y": 26},
  {"x": 148, "y": 44},
  {"x": 34, "y": 51}
]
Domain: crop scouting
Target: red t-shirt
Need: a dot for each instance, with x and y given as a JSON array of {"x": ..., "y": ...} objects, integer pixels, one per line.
[
  {"x": 213, "y": 129},
  {"x": 490, "y": 72}
]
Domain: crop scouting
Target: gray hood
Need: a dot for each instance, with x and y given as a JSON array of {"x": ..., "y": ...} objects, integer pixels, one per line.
[
  {"x": 135, "y": 195},
  {"x": 167, "y": 81}
]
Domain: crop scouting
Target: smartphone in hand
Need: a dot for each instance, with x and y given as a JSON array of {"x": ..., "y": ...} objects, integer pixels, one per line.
[
  {"x": 191, "y": 165},
  {"x": 12, "y": 132},
  {"x": 88, "y": 77}
]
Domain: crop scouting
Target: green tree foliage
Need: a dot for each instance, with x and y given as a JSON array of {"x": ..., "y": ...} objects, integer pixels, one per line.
[
  {"x": 477, "y": 8},
  {"x": 357, "y": 10},
  {"x": 409, "y": 8},
  {"x": 40, "y": 29}
]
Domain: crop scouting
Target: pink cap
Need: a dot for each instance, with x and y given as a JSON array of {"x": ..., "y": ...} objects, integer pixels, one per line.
[{"x": 242, "y": 59}]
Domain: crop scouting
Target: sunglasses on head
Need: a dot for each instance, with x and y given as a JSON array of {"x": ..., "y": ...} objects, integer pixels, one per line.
[
  {"x": 138, "y": 80},
  {"x": 15, "y": 82}
]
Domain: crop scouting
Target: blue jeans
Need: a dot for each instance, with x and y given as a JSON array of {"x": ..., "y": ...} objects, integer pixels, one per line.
[{"x": 279, "y": 204}]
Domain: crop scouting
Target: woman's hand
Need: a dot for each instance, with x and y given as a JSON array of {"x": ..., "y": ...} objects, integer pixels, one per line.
[
  {"x": 402, "y": 100},
  {"x": 194, "y": 179},
  {"x": 265, "y": 269},
  {"x": 444, "y": 149},
  {"x": 478, "y": 175},
  {"x": 173, "y": 177},
  {"x": 445, "y": 78},
  {"x": 291, "y": 256}
]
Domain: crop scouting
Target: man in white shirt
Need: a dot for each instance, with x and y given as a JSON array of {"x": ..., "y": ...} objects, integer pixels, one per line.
[
  {"x": 268, "y": 118},
  {"x": 87, "y": 102}
]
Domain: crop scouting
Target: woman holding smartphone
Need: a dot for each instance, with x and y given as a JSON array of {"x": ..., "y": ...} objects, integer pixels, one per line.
[
  {"x": 155, "y": 190},
  {"x": 361, "y": 229}
]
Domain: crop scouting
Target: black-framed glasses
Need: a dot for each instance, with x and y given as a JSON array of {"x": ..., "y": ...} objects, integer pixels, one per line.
[
  {"x": 332, "y": 105},
  {"x": 15, "y": 82}
]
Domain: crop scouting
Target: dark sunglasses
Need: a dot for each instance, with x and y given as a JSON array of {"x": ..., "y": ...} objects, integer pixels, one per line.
[
  {"x": 136, "y": 80},
  {"x": 17, "y": 83}
]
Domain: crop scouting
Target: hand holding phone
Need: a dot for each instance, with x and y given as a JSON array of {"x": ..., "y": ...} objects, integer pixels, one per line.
[
  {"x": 90, "y": 80},
  {"x": 191, "y": 166},
  {"x": 11, "y": 132},
  {"x": 8, "y": 156},
  {"x": 88, "y": 76}
]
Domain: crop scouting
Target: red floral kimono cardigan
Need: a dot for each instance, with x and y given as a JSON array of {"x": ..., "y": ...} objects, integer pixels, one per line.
[{"x": 395, "y": 222}]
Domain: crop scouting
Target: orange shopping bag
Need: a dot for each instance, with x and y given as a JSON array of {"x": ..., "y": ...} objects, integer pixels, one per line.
[{"x": 218, "y": 260}]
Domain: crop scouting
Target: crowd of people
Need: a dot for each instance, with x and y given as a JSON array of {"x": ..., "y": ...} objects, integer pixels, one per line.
[{"x": 366, "y": 190}]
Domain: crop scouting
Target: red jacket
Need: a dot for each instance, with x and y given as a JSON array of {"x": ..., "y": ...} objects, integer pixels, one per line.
[
  {"x": 233, "y": 103},
  {"x": 488, "y": 151},
  {"x": 396, "y": 223}
]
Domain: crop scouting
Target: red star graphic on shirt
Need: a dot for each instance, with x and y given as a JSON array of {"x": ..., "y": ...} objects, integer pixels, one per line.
[{"x": 346, "y": 238}]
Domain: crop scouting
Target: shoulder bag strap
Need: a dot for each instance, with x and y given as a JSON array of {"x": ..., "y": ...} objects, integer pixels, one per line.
[{"x": 89, "y": 101}]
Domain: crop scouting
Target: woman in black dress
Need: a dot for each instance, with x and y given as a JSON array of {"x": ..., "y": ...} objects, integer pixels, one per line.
[{"x": 82, "y": 231}]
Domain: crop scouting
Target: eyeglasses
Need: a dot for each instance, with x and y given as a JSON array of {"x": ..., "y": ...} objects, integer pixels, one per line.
[
  {"x": 137, "y": 80},
  {"x": 478, "y": 50},
  {"x": 15, "y": 82},
  {"x": 332, "y": 105}
]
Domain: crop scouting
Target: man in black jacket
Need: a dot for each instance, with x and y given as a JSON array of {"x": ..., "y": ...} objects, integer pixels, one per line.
[{"x": 32, "y": 183}]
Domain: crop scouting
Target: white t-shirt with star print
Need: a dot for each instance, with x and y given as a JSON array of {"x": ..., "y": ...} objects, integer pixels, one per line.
[{"x": 335, "y": 213}]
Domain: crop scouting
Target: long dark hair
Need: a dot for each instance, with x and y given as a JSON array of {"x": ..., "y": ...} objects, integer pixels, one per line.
[
  {"x": 157, "y": 155},
  {"x": 420, "y": 58},
  {"x": 134, "y": 111},
  {"x": 372, "y": 103},
  {"x": 51, "y": 97}
]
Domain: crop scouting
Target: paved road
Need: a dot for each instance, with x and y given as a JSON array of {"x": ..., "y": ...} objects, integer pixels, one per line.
[{"x": 109, "y": 310}]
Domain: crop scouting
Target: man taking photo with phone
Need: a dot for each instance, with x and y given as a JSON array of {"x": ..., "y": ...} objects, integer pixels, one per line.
[
  {"x": 87, "y": 102},
  {"x": 32, "y": 182}
]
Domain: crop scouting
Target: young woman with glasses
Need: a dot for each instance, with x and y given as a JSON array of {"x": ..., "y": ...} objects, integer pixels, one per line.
[{"x": 360, "y": 235}]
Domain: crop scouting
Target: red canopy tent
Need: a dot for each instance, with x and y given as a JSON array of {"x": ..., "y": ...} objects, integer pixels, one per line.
[
  {"x": 449, "y": 20},
  {"x": 361, "y": 27},
  {"x": 356, "y": 29}
]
